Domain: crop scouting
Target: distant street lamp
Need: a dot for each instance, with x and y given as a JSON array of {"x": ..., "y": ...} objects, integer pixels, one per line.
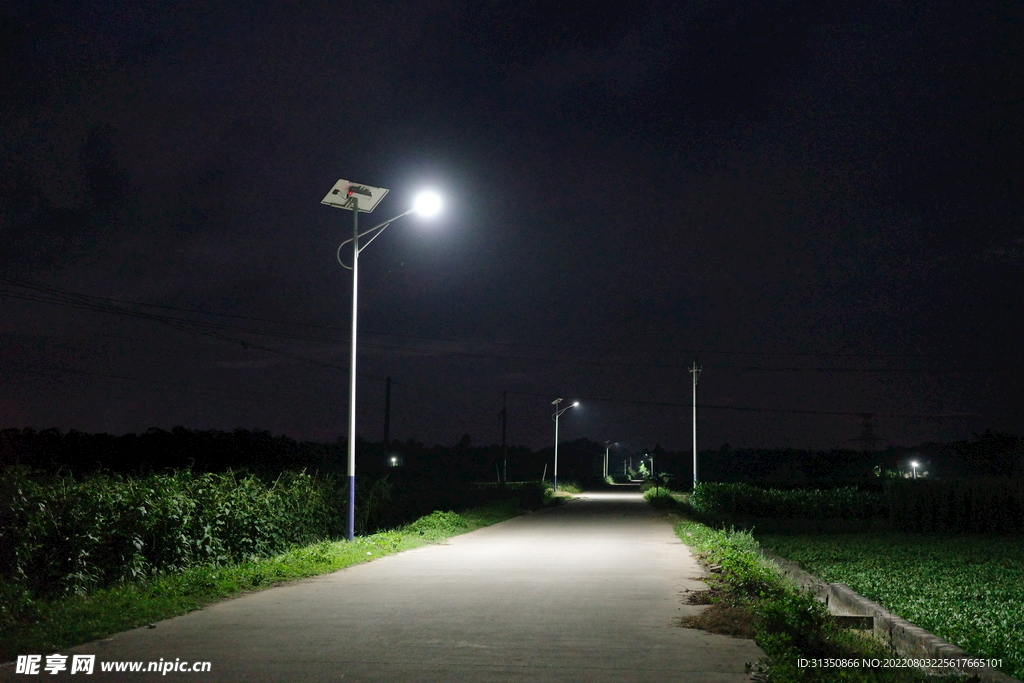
[
  {"x": 649, "y": 457},
  {"x": 913, "y": 465},
  {"x": 607, "y": 445},
  {"x": 555, "y": 418},
  {"x": 364, "y": 198}
]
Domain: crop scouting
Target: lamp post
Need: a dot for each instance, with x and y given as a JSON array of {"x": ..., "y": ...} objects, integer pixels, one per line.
[
  {"x": 650, "y": 457},
  {"x": 913, "y": 466},
  {"x": 555, "y": 418},
  {"x": 355, "y": 198},
  {"x": 695, "y": 371},
  {"x": 607, "y": 445}
]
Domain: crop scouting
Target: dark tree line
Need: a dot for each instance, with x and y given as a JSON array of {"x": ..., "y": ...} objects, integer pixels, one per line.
[
  {"x": 51, "y": 450},
  {"x": 259, "y": 451},
  {"x": 990, "y": 454}
]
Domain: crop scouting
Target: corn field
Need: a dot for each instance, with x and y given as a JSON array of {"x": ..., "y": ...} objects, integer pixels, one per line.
[{"x": 60, "y": 535}]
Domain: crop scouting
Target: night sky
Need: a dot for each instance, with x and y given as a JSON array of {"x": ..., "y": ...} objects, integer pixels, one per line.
[{"x": 822, "y": 200}]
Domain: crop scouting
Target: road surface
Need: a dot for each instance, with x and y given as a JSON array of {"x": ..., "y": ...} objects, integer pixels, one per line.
[{"x": 584, "y": 592}]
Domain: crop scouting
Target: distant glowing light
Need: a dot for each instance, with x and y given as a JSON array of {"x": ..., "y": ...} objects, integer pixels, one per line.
[
  {"x": 427, "y": 204},
  {"x": 575, "y": 404}
]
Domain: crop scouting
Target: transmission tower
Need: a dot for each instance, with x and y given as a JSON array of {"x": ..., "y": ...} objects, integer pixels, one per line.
[{"x": 868, "y": 440}]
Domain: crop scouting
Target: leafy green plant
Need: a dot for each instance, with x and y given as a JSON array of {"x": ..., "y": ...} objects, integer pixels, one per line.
[
  {"x": 965, "y": 589},
  {"x": 437, "y": 523}
]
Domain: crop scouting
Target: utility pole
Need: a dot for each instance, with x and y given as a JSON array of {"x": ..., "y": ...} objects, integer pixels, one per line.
[
  {"x": 504, "y": 445},
  {"x": 387, "y": 414},
  {"x": 695, "y": 371}
]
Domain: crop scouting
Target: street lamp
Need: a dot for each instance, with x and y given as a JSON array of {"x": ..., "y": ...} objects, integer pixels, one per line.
[
  {"x": 555, "y": 418},
  {"x": 607, "y": 445},
  {"x": 695, "y": 371},
  {"x": 355, "y": 198},
  {"x": 913, "y": 465},
  {"x": 650, "y": 457}
]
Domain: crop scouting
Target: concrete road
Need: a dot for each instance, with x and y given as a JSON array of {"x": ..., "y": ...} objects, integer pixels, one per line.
[{"x": 584, "y": 592}]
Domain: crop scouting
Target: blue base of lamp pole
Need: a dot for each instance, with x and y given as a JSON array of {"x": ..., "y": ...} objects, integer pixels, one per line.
[{"x": 351, "y": 533}]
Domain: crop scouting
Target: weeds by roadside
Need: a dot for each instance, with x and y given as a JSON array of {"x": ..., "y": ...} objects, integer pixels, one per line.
[
  {"x": 748, "y": 595},
  {"x": 565, "y": 486},
  {"x": 788, "y": 625}
]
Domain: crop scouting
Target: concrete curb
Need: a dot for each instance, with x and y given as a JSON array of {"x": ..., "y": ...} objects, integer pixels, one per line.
[{"x": 902, "y": 636}]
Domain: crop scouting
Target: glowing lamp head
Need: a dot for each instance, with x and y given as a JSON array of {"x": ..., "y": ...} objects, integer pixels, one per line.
[
  {"x": 575, "y": 404},
  {"x": 913, "y": 464},
  {"x": 427, "y": 204}
]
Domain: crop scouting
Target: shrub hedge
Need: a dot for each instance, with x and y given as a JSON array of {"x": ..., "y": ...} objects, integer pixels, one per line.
[
  {"x": 713, "y": 499},
  {"x": 924, "y": 505}
]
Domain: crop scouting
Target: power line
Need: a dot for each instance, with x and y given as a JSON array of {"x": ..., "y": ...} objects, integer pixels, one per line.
[
  {"x": 191, "y": 327},
  {"x": 208, "y": 329},
  {"x": 141, "y": 380},
  {"x": 105, "y": 302}
]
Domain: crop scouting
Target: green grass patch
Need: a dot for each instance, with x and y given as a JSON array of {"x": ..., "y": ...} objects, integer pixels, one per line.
[
  {"x": 662, "y": 498},
  {"x": 28, "y": 626},
  {"x": 788, "y": 624},
  {"x": 968, "y": 590},
  {"x": 569, "y": 486}
]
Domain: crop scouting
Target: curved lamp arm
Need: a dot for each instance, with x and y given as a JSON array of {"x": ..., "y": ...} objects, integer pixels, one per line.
[
  {"x": 378, "y": 229},
  {"x": 559, "y": 412}
]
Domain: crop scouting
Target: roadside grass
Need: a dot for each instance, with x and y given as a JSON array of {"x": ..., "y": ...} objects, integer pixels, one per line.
[
  {"x": 568, "y": 487},
  {"x": 788, "y": 624},
  {"x": 967, "y": 589},
  {"x": 664, "y": 499},
  {"x": 45, "y": 626},
  {"x": 748, "y": 595}
]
